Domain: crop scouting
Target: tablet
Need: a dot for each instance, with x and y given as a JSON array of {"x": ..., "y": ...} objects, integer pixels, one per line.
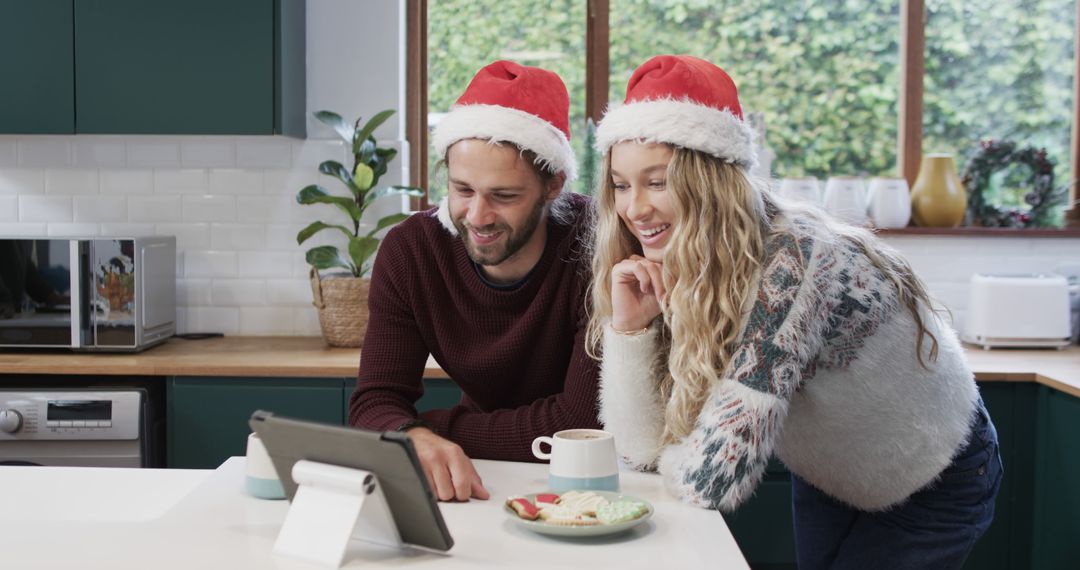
[{"x": 390, "y": 456}]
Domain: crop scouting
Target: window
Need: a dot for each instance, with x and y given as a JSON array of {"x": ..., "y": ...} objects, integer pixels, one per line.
[
  {"x": 823, "y": 73},
  {"x": 1000, "y": 70},
  {"x": 465, "y": 35},
  {"x": 851, "y": 87}
]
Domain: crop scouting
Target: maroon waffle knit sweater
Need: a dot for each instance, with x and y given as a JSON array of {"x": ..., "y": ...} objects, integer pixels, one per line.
[{"x": 517, "y": 355}]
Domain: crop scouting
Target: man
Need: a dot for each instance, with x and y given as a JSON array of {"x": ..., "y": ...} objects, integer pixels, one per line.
[{"x": 492, "y": 284}]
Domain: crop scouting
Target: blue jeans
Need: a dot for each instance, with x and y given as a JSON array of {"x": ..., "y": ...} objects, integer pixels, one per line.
[{"x": 936, "y": 528}]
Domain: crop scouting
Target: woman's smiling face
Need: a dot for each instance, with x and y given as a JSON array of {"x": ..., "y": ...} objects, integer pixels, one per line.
[{"x": 639, "y": 179}]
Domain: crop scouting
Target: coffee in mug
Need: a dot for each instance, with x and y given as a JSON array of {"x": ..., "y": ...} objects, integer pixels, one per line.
[{"x": 581, "y": 460}]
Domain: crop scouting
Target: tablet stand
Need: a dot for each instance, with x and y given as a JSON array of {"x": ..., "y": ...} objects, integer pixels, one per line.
[{"x": 332, "y": 505}]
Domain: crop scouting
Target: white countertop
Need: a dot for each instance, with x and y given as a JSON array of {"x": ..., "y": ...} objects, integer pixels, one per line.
[{"x": 67, "y": 517}]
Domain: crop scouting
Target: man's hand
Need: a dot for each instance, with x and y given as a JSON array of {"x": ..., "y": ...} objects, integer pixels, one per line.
[{"x": 449, "y": 471}]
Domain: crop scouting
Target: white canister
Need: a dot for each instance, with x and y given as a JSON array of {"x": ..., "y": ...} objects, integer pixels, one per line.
[
  {"x": 801, "y": 190},
  {"x": 889, "y": 202},
  {"x": 845, "y": 199}
]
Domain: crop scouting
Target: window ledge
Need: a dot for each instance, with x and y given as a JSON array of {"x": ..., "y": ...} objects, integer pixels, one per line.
[{"x": 981, "y": 232}]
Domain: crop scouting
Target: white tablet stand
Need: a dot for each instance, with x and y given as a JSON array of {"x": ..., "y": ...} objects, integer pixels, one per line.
[{"x": 332, "y": 505}]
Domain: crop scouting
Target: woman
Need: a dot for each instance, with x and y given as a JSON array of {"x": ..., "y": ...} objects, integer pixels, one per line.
[{"x": 734, "y": 326}]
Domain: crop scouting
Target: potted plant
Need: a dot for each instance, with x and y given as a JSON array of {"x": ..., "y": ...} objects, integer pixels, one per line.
[{"x": 341, "y": 297}]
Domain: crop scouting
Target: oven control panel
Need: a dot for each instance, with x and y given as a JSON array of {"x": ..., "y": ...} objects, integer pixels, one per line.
[{"x": 68, "y": 415}]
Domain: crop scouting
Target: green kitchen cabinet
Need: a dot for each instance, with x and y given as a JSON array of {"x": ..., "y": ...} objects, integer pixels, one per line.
[
  {"x": 208, "y": 417},
  {"x": 37, "y": 67},
  {"x": 192, "y": 67},
  {"x": 1056, "y": 525}
]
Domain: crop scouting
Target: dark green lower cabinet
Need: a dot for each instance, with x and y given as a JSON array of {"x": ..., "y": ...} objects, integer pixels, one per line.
[{"x": 208, "y": 417}]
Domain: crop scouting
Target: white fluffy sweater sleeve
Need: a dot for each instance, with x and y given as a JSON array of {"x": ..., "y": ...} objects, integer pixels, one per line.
[{"x": 630, "y": 405}]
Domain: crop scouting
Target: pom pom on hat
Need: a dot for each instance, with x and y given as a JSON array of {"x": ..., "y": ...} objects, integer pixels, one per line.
[
  {"x": 509, "y": 102},
  {"x": 683, "y": 101}
]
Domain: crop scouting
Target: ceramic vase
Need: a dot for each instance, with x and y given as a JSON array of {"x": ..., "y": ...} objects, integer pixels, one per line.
[
  {"x": 845, "y": 199},
  {"x": 938, "y": 198}
]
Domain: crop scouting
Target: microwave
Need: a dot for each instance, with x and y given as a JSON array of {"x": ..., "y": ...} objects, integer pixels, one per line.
[{"x": 109, "y": 294}]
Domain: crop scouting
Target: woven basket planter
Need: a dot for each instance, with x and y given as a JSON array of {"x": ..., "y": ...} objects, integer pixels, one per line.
[{"x": 342, "y": 304}]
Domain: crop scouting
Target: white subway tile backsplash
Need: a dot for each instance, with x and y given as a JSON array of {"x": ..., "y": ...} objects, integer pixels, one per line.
[
  {"x": 264, "y": 153},
  {"x": 145, "y": 209},
  {"x": 237, "y": 236},
  {"x": 282, "y": 237},
  {"x": 211, "y": 320},
  {"x": 191, "y": 181},
  {"x": 20, "y": 229},
  {"x": 124, "y": 229},
  {"x": 233, "y": 181},
  {"x": 266, "y": 320},
  {"x": 265, "y": 209},
  {"x": 208, "y": 153},
  {"x": 22, "y": 181},
  {"x": 105, "y": 152},
  {"x": 45, "y": 208},
  {"x": 127, "y": 182},
  {"x": 9, "y": 153},
  {"x": 265, "y": 264},
  {"x": 44, "y": 151},
  {"x": 306, "y": 323},
  {"x": 193, "y": 292},
  {"x": 71, "y": 181},
  {"x": 209, "y": 208},
  {"x": 74, "y": 230},
  {"x": 9, "y": 208},
  {"x": 210, "y": 264},
  {"x": 311, "y": 153},
  {"x": 188, "y": 236},
  {"x": 100, "y": 208},
  {"x": 288, "y": 292},
  {"x": 238, "y": 292},
  {"x": 145, "y": 152}
]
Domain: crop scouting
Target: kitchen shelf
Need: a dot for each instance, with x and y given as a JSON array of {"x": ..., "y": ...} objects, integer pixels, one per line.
[{"x": 983, "y": 232}]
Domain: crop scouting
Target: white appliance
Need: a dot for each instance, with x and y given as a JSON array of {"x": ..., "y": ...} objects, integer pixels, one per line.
[
  {"x": 1018, "y": 310},
  {"x": 89, "y": 427}
]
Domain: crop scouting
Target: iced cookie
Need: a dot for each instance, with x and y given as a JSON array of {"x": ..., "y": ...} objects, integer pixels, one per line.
[
  {"x": 582, "y": 502},
  {"x": 621, "y": 511},
  {"x": 523, "y": 508}
]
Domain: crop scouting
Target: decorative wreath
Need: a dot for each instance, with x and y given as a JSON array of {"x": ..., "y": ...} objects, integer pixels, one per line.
[{"x": 994, "y": 156}]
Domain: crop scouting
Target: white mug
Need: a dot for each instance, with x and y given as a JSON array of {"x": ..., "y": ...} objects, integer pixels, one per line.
[
  {"x": 845, "y": 199},
  {"x": 261, "y": 480},
  {"x": 801, "y": 190},
  {"x": 890, "y": 202},
  {"x": 581, "y": 459}
]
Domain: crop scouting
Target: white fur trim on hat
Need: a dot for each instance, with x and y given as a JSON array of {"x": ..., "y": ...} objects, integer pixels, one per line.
[
  {"x": 682, "y": 123},
  {"x": 504, "y": 124}
]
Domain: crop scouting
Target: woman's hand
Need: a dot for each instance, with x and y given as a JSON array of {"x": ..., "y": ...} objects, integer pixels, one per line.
[{"x": 637, "y": 287}]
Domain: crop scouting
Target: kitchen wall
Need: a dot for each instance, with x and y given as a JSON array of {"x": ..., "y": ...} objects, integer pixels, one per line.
[{"x": 228, "y": 200}]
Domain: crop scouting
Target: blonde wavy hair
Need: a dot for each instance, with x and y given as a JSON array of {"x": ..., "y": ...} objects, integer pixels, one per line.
[{"x": 716, "y": 250}]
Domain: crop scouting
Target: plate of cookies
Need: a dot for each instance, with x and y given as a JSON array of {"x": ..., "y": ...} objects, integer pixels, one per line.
[{"x": 578, "y": 513}]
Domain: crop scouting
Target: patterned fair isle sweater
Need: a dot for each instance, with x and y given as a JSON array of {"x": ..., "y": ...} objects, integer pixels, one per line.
[
  {"x": 825, "y": 375},
  {"x": 518, "y": 355}
]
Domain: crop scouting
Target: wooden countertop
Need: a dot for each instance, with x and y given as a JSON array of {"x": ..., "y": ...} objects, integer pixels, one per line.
[
  {"x": 266, "y": 356},
  {"x": 310, "y": 357}
]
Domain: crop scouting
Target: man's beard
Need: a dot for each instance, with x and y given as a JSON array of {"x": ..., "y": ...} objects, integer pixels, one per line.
[{"x": 501, "y": 250}]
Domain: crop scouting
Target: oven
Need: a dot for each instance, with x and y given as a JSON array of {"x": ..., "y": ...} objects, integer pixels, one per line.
[{"x": 85, "y": 422}]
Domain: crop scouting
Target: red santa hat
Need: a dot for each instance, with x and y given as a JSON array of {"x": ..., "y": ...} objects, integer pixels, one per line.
[
  {"x": 683, "y": 101},
  {"x": 509, "y": 102}
]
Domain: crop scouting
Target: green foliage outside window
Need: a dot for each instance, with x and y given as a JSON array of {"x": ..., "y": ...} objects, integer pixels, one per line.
[{"x": 824, "y": 72}]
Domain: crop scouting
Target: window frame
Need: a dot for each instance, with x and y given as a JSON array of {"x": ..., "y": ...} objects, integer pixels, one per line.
[{"x": 913, "y": 20}]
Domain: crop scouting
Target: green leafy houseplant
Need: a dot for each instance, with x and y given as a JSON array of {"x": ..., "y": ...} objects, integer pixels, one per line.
[{"x": 369, "y": 164}]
